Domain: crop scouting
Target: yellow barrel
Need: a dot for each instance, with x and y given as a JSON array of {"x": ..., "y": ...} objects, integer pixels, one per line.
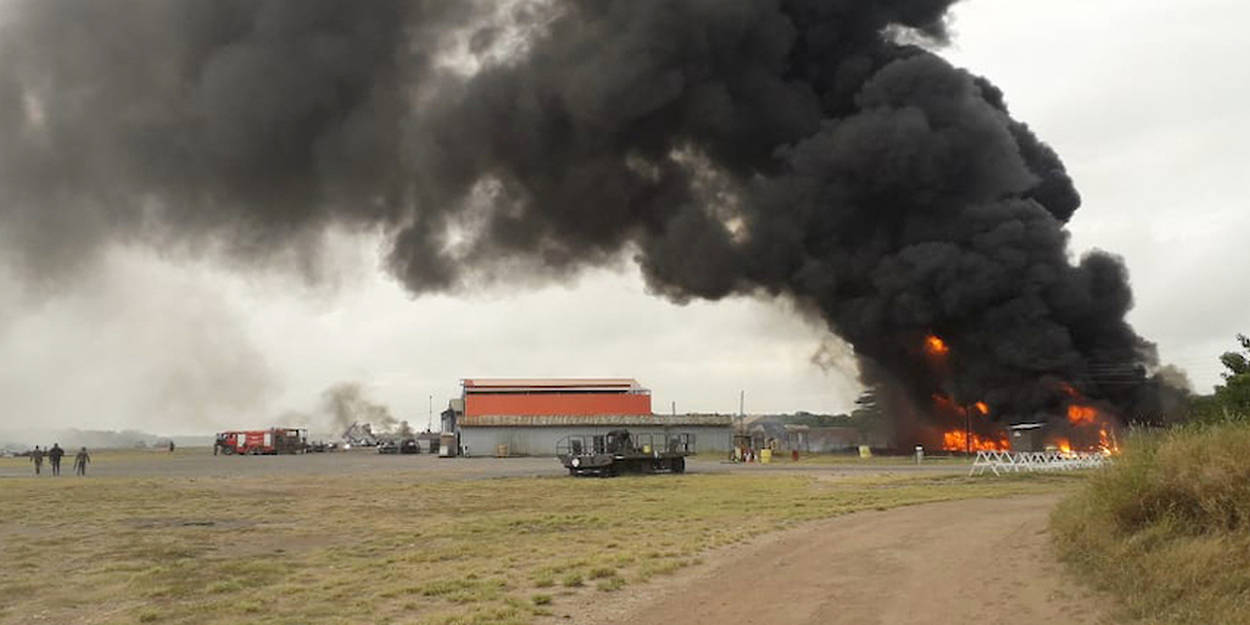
[
  {"x": 766, "y": 455},
  {"x": 646, "y": 449},
  {"x": 501, "y": 450}
]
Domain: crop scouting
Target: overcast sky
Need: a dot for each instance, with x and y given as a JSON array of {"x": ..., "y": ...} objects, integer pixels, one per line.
[{"x": 1145, "y": 101}]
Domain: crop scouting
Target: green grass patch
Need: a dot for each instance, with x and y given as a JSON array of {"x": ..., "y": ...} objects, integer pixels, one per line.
[
  {"x": 611, "y": 584},
  {"x": 1167, "y": 527}
]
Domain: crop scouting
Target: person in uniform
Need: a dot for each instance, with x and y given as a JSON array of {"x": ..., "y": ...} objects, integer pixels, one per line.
[
  {"x": 80, "y": 462},
  {"x": 37, "y": 458},
  {"x": 54, "y": 458}
]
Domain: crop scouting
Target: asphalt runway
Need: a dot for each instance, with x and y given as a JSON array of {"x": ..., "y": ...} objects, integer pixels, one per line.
[{"x": 200, "y": 462}]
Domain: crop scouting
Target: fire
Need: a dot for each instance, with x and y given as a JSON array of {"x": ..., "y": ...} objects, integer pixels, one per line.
[
  {"x": 982, "y": 408},
  {"x": 1063, "y": 444},
  {"x": 1106, "y": 442},
  {"x": 1082, "y": 415},
  {"x": 935, "y": 346},
  {"x": 958, "y": 440}
]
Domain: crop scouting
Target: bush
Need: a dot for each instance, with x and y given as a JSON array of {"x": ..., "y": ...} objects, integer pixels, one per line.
[
  {"x": 611, "y": 584},
  {"x": 1167, "y": 526}
]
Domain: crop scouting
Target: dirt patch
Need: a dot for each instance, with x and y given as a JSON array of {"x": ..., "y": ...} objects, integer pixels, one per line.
[{"x": 984, "y": 560}]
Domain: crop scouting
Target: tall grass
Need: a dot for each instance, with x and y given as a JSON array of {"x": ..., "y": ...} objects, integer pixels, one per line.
[{"x": 1167, "y": 527}]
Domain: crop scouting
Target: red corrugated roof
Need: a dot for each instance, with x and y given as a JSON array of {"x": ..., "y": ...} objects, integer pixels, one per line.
[{"x": 521, "y": 385}]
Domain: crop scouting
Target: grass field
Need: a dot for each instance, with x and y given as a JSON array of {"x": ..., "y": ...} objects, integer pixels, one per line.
[
  {"x": 872, "y": 461},
  {"x": 1167, "y": 527},
  {"x": 385, "y": 549}
]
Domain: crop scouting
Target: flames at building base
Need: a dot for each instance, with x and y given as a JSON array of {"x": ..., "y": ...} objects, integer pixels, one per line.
[{"x": 1073, "y": 423}]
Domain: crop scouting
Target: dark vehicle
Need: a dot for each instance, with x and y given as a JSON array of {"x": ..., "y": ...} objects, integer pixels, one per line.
[
  {"x": 619, "y": 452},
  {"x": 409, "y": 446},
  {"x": 388, "y": 447}
]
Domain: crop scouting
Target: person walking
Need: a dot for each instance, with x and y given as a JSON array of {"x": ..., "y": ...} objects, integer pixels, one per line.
[
  {"x": 37, "y": 458},
  {"x": 80, "y": 462},
  {"x": 54, "y": 458}
]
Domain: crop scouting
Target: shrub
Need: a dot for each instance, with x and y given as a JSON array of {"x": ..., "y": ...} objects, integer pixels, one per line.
[{"x": 1167, "y": 526}]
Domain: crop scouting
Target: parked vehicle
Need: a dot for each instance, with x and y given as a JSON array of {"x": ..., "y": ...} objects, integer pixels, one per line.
[
  {"x": 262, "y": 442},
  {"x": 620, "y": 452}
]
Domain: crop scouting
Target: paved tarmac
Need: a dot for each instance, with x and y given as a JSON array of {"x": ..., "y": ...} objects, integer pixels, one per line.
[{"x": 200, "y": 462}]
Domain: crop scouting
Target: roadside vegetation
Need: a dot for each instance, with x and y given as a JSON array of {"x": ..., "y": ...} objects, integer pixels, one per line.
[
  {"x": 351, "y": 549},
  {"x": 1167, "y": 527}
]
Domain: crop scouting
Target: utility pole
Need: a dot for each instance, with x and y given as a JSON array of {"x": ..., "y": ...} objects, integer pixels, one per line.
[
  {"x": 429, "y": 424},
  {"x": 742, "y": 416},
  {"x": 968, "y": 430}
]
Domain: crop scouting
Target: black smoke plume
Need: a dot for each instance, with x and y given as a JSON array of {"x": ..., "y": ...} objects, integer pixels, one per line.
[{"x": 814, "y": 150}]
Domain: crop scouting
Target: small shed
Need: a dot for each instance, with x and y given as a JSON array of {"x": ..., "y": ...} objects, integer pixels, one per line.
[{"x": 1027, "y": 437}]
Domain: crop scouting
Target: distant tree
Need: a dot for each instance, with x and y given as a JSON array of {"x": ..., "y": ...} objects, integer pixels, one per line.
[
  {"x": 810, "y": 419},
  {"x": 867, "y": 413},
  {"x": 1232, "y": 398}
]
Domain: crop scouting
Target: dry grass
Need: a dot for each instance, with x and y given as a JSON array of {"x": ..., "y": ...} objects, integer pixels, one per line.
[
  {"x": 846, "y": 459},
  {"x": 1167, "y": 528},
  {"x": 301, "y": 549}
]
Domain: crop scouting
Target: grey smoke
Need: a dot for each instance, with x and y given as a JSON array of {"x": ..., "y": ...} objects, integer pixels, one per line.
[{"x": 346, "y": 403}]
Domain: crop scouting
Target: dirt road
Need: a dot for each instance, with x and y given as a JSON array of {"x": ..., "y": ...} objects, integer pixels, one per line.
[{"x": 974, "y": 561}]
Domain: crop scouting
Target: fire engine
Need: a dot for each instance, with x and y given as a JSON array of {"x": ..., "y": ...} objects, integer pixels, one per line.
[{"x": 255, "y": 442}]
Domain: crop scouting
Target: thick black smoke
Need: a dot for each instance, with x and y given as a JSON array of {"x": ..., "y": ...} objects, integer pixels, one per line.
[{"x": 796, "y": 148}]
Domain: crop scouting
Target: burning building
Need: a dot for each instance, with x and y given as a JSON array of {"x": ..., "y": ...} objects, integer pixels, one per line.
[
  {"x": 528, "y": 416},
  {"x": 1070, "y": 422}
]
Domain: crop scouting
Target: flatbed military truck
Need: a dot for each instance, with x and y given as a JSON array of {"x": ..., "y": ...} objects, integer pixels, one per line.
[{"x": 619, "y": 451}]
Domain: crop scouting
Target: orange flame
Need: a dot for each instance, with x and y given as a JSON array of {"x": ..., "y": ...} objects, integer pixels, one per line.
[
  {"x": 1106, "y": 442},
  {"x": 935, "y": 346},
  {"x": 958, "y": 440},
  {"x": 1082, "y": 415},
  {"x": 982, "y": 408},
  {"x": 1063, "y": 445}
]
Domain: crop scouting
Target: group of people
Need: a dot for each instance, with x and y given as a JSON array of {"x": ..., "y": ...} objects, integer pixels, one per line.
[{"x": 54, "y": 455}]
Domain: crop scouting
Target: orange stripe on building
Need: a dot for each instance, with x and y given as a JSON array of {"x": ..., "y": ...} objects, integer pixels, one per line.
[{"x": 588, "y": 404}]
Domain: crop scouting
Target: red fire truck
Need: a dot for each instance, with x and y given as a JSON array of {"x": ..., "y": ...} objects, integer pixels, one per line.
[{"x": 255, "y": 442}]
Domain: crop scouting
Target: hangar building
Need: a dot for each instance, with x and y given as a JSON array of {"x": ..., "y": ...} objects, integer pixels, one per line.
[{"x": 527, "y": 417}]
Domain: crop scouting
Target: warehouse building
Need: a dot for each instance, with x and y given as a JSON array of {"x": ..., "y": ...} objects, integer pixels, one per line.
[{"x": 527, "y": 417}]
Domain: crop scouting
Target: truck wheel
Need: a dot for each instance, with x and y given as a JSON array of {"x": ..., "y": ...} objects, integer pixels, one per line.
[
  {"x": 679, "y": 465},
  {"x": 227, "y": 451}
]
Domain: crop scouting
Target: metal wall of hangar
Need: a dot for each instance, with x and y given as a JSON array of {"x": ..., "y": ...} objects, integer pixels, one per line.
[{"x": 527, "y": 435}]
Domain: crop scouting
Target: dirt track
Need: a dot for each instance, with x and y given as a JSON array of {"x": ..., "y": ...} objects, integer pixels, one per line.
[{"x": 973, "y": 561}]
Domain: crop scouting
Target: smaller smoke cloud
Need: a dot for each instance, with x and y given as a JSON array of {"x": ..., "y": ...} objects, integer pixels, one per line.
[{"x": 345, "y": 403}]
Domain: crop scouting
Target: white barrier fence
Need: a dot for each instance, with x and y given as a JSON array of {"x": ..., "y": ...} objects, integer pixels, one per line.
[{"x": 1000, "y": 462}]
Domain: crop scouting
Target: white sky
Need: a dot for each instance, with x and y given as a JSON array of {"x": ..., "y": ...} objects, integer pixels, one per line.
[{"x": 1145, "y": 101}]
